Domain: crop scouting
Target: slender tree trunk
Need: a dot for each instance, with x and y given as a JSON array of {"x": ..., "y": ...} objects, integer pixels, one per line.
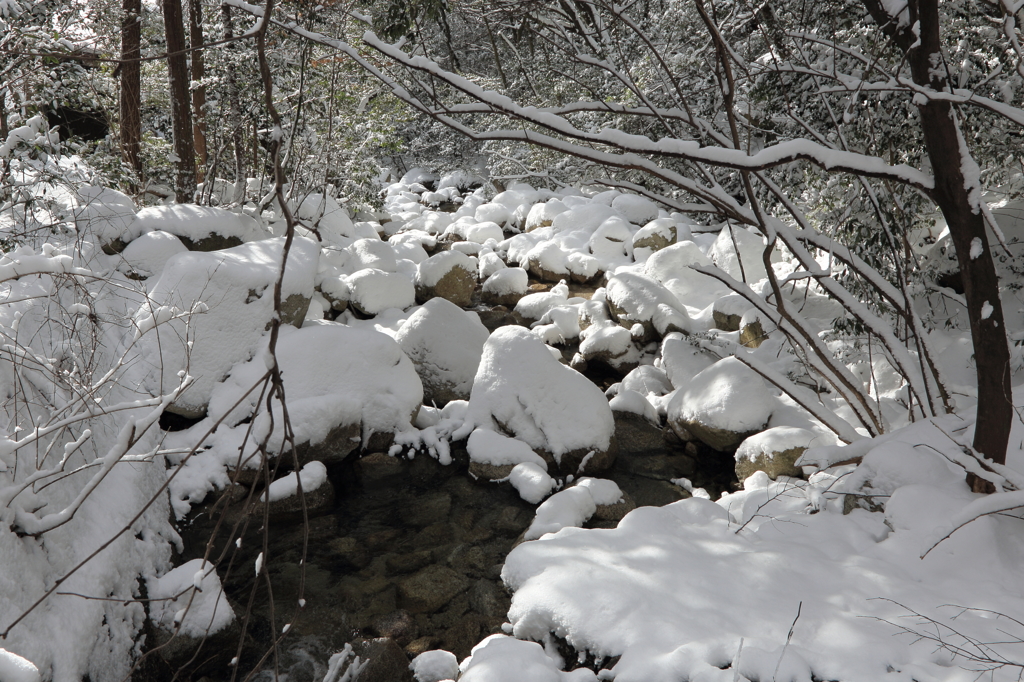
[
  {"x": 131, "y": 84},
  {"x": 195, "y": 34},
  {"x": 234, "y": 113},
  {"x": 181, "y": 115},
  {"x": 950, "y": 159}
]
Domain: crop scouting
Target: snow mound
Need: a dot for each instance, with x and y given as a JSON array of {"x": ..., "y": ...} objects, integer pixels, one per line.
[
  {"x": 191, "y": 595},
  {"x": 14, "y": 668},
  {"x": 488, "y": 447},
  {"x": 371, "y": 253},
  {"x": 523, "y": 390},
  {"x": 330, "y": 219},
  {"x": 147, "y": 255},
  {"x": 435, "y": 666},
  {"x": 531, "y": 482},
  {"x": 373, "y": 291},
  {"x": 637, "y": 210},
  {"x": 724, "y": 254},
  {"x": 196, "y": 223},
  {"x": 102, "y": 212},
  {"x": 312, "y": 476},
  {"x": 723, "y": 404},
  {"x": 569, "y": 508},
  {"x": 208, "y": 311},
  {"x": 445, "y": 343},
  {"x": 504, "y": 659}
]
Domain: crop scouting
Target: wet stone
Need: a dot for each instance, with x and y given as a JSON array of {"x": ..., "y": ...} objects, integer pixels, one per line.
[
  {"x": 400, "y": 564},
  {"x": 428, "y": 510},
  {"x": 348, "y": 553},
  {"x": 431, "y": 589},
  {"x": 386, "y": 662},
  {"x": 398, "y": 625}
]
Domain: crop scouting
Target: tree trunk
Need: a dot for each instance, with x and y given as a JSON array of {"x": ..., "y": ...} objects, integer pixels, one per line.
[
  {"x": 195, "y": 34},
  {"x": 234, "y": 113},
  {"x": 181, "y": 115},
  {"x": 131, "y": 84},
  {"x": 949, "y": 157}
]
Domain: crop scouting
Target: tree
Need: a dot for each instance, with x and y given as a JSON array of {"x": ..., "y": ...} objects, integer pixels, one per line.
[
  {"x": 181, "y": 114},
  {"x": 739, "y": 125},
  {"x": 131, "y": 83}
]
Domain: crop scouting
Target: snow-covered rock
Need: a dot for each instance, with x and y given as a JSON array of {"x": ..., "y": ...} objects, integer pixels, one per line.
[
  {"x": 634, "y": 298},
  {"x": 103, "y": 213},
  {"x": 724, "y": 254},
  {"x": 500, "y": 658},
  {"x": 531, "y": 481},
  {"x": 523, "y": 390},
  {"x": 371, "y": 253},
  {"x": 147, "y": 255},
  {"x": 200, "y": 228},
  {"x": 373, "y": 291},
  {"x": 774, "y": 452},
  {"x": 450, "y": 275},
  {"x": 207, "y": 311},
  {"x": 506, "y": 287},
  {"x": 655, "y": 235},
  {"x": 493, "y": 456},
  {"x": 435, "y": 666},
  {"x": 328, "y": 217},
  {"x": 194, "y": 586},
  {"x": 723, "y": 405},
  {"x": 638, "y": 210},
  {"x": 444, "y": 342}
]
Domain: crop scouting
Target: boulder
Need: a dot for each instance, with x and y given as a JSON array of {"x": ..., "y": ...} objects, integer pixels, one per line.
[
  {"x": 429, "y": 590},
  {"x": 450, "y": 275},
  {"x": 385, "y": 661},
  {"x": 444, "y": 343},
  {"x": 774, "y": 451},
  {"x": 655, "y": 235},
  {"x": 505, "y": 287},
  {"x": 634, "y": 298},
  {"x": 372, "y": 291},
  {"x": 521, "y": 389},
  {"x": 722, "y": 405},
  {"x": 200, "y": 228},
  {"x": 208, "y": 311}
]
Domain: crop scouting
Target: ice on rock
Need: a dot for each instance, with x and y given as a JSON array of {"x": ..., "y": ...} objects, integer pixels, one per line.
[
  {"x": 500, "y": 658},
  {"x": 234, "y": 291},
  {"x": 723, "y": 405},
  {"x": 373, "y": 291},
  {"x": 435, "y": 666},
  {"x": 523, "y": 390},
  {"x": 444, "y": 342},
  {"x": 638, "y": 210},
  {"x": 147, "y": 255},
  {"x": 200, "y": 228},
  {"x": 723, "y": 253},
  {"x": 208, "y": 609},
  {"x": 371, "y": 253}
]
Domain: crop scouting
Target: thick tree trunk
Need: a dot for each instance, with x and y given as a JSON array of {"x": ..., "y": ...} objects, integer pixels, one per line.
[
  {"x": 195, "y": 35},
  {"x": 234, "y": 113},
  {"x": 950, "y": 159},
  {"x": 181, "y": 114},
  {"x": 131, "y": 84}
]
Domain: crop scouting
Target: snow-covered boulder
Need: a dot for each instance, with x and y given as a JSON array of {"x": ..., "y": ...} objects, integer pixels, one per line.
[
  {"x": 210, "y": 310},
  {"x": 724, "y": 254},
  {"x": 533, "y": 306},
  {"x": 328, "y": 217},
  {"x": 373, "y": 291},
  {"x": 371, "y": 253},
  {"x": 521, "y": 389},
  {"x": 146, "y": 256},
  {"x": 682, "y": 360},
  {"x": 638, "y": 210},
  {"x": 505, "y": 287},
  {"x": 541, "y": 215},
  {"x": 444, "y": 342},
  {"x": 548, "y": 262},
  {"x": 493, "y": 456},
  {"x": 655, "y": 235},
  {"x": 104, "y": 213},
  {"x": 435, "y": 666},
  {"x": 634, "y": 298},
  {"x": 774, "y": 452},
  {"x": 723, "y": 405},
  {"x": 500, "y": 658},
  {"x": 200, "y": 228},
  {"x": 728, "y": 311},
  {"x": 450, "y": 275}
]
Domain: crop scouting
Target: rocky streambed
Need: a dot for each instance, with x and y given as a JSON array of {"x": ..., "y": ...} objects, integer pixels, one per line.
[{"x": 401, "y": 556}]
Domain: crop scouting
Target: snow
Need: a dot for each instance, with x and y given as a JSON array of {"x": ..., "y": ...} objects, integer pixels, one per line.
[
  {"x": 489, "y": 447},
  {"x": 435, "y": 666},
  {"x": 976, "y": 248},
  {"x": 195, "y": 223},
  {"x": 445, "y": 344},
  {"x": 374, "y": 291},
  {"x": 986, "y": 310},
  {"x": 14, "y": 668},
  {"x": 522, "y": 389},
  {"x": 571, "y": 507},
  {"x": 372, "y": 253},
  {"x": 503, "y": 659},
  {"x": 148, "y": 254},
  {"x": 638, "y": 210},
  {"x": 727, "y": 395},
  {"x": 430, "y": 271},
  {"x": 508, "y": 281},
  {"x": 311, "y": 476},
  {"x": 230, "y": 294},
  {"x": 330, "y": 219},
  {"x": 190, "y": 597},
  {"x": 531, "y": 481}
]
